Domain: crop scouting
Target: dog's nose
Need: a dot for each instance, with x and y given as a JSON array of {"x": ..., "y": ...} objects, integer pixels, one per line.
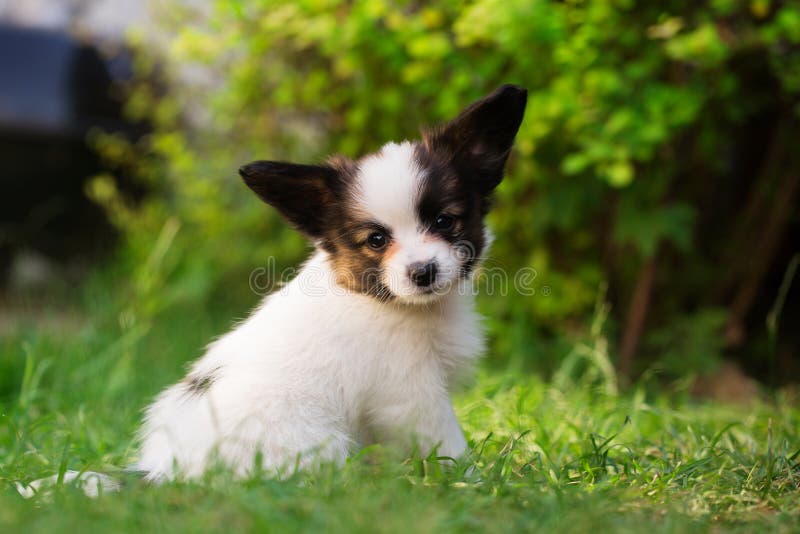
[{"x": 422, "y": 274}]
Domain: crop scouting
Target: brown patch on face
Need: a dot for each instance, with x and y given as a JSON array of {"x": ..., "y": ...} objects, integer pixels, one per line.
[
  {"x": 360, "y": 272},
  {"x": 318, "y": 200},
  {"x": 356, "y": 266}
]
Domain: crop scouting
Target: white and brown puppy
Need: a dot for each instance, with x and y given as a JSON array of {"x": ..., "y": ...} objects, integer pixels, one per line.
[{"x": 364, "y": 343}]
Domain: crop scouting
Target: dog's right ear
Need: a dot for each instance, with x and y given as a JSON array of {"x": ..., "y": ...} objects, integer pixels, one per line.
[{"x": 304, "y": 194}]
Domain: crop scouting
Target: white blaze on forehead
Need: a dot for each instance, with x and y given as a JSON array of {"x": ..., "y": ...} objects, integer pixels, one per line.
[{"x": 388, "y": 185}]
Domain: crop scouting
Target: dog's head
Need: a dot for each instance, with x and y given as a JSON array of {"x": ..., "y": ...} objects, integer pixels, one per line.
[{"x": 404, "y": 223}]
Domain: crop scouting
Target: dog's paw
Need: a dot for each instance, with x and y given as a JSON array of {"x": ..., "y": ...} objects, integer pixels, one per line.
[{"x": 91, "y": 482}]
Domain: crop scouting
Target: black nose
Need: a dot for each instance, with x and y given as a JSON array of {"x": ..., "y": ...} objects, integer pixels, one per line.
[{"x": 422, "y": 274}]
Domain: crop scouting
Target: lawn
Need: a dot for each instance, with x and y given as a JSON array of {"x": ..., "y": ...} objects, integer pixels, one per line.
[{"x": 547, "y": 456}]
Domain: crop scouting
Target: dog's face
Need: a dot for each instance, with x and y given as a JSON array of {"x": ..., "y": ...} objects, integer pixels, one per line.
[{"x": 405, "y": 223}]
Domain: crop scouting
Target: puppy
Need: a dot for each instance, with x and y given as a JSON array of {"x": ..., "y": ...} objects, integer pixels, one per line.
[
  {"x": 365, "y": 342},
  {"x": 363, "y": 345}
]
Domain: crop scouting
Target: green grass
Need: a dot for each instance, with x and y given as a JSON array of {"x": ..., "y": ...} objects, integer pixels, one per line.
[{"x": 572, "y": 457}]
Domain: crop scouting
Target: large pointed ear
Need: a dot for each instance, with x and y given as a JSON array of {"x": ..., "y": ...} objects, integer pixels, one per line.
[
  {"x": 480, "y": 138},
  {"x": 304, "y": 194}
]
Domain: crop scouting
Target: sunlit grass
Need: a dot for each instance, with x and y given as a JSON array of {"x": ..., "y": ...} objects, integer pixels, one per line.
[{"x": 571, "y": 457}]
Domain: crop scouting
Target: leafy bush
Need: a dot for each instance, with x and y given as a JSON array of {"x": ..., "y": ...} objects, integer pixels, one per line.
[{"x": 637, "y": 115}]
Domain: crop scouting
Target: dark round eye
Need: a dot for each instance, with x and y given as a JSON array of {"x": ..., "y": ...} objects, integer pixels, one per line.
[
  {"x": 444, "y": 222},
  {"x": 376, "y": 241}
]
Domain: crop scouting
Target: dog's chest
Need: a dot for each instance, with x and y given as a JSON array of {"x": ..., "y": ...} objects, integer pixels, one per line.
[{"x": 382, "y": 352}]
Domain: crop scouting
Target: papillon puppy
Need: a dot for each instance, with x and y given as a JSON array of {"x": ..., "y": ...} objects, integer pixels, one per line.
[{"x": 364, "y": 344}]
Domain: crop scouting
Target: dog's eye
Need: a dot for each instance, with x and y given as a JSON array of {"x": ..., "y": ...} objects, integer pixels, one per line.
[
  {"x": 444, "y": 222},
  {"x": 376, "y": 241}
]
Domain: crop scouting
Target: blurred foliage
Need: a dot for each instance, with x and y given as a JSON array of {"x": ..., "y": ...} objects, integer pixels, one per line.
[{"x": 628, "y": 131}]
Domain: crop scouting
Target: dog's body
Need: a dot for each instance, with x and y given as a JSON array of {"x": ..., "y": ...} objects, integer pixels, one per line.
[
  {"x": 313, "y": 374},
  {"x": 365, "y": 343}
]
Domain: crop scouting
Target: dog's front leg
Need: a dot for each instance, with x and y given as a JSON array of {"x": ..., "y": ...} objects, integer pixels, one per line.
[
  {"x": 426, "y": 422},
  {"x": 437, "y": 428}
]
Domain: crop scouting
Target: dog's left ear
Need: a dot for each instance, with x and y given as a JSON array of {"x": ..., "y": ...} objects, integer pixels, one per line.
[
  {"x": 304, "y": 194},
  {"x": 480, "y": 138}
]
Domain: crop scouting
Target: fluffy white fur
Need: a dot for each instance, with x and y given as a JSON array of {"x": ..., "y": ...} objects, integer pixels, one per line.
[{"x": 317, "y": 372}]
